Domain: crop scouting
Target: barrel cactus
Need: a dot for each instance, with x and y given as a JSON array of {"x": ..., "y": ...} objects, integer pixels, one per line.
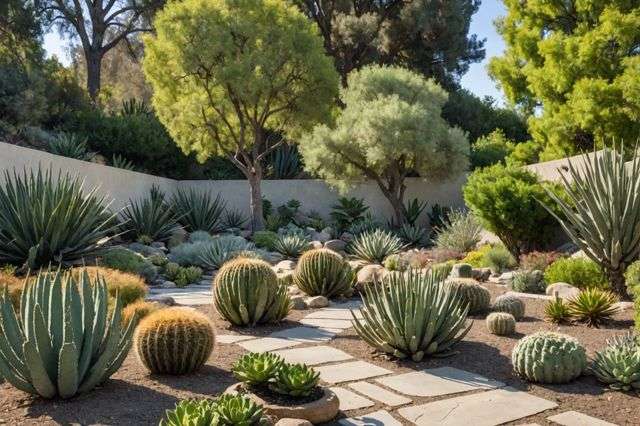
[
  {"x": 247, "y": 292},
  {"x": 412, "y": 315},
  {"x": 547, "y": 357},
  {"x": 323, "y": 272},
  {"x": 174, "y": 341},
  {"x": 509, "y": 304},
  {"x": 64, "y": 341},
  {"x": 472, "y": 293},
  {"x": 501, "y": 323}
]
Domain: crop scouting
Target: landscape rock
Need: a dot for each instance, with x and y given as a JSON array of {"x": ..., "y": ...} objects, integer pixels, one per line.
[
  {"x": 293, "y": 290},
  {"x": 272, "y": 257},
  {"x": 285, "y": 266},
  {"x": 347, "y": 236},
  {"x": 317, "y": 302},
  {"x": 165, "y": 300},
  {"x": 335, "y": 245},
  {"x": 168, "y": 284},
  {"x": 506, "y": 277},
  {"x": 579, "y": 255},
  {"x": 245, "y": 233},
  {"x": 316, "y": 244},
  {"x": 356, "y": 265},
  {"x": 481, "y": 274},
  {"x": 461, "y": 270},
  {"x": 370, "y": 273},
  {"x": 298, "y": 303},
  {"x": 178, "y": 237},
  {"x": 320, "y": 236},
  {"x": 563, "y": 290},
  {"x": 145, "y": 250},
  {"x": 159, "y": 244},
  {"x": 293, "y": 422}
]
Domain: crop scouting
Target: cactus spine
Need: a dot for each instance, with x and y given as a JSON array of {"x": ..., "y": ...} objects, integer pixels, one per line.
[
  {"x": 501, "y": 323},
  {"x": 476, "y": 296},
  {"x": 511, "y": 305},
  {"x": 547, "y": 357},
  {"x": 323, "y": 272},
  {"x": 174, "y": 341},
  {"x": 246, "y": 292}
]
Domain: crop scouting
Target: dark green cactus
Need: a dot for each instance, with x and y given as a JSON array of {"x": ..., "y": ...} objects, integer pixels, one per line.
[
  {"x": 323, "y": 272},
  {"x": 501, "y": 323},
  {"x": 174, "y": 341},
  {"x": 509, "y": 304},
  {"x": 63, "y": 342},
  {"x": 246, "y": 292},
  {"x": 475, "y": 295},
  {"x": 547, "y": 357}
]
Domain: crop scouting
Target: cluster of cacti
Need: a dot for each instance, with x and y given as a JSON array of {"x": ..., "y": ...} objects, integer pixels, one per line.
[
  {"x": 174, "y": 341},
  {"x": 226, "y": 410},
  {"x": 374, "y": 246},
  {"x": 501, "y": 323},
  {"x": 257, "y": 368},
  {"x": 547, "y": 357},
  {"x": 296, "y": 380},
  {"x": 473, "y": 294},
  {"x": 412, "y": 315},
  {"x": 509, "y": 304},
  {"x": 618, "y": 365},
  {"x": 63, "y": 342},
  {"x": 246, "y": 292},
  {"x": 323, "y": 272}
]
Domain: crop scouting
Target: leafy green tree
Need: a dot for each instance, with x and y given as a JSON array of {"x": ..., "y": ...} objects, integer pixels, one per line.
[
  {"x": 577, "y": 63},
  {"x": 228, "y": 73},
  {"x": 491, "y": 149},
  {"x": 391, "y": 127},
  {"x": 428, "y": 36}
]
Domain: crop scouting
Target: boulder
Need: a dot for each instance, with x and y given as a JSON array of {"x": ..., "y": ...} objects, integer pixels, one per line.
[
  {"x": 317, "y": 302},
  {"x": 461, "y": 270},
  {"x": 298, "y": 303},
  {"x": 320, "y": 236},
  {"x": 335, "y": 245},
  {"x": 165, "y": 300},
  {"x": 285, "y": 266},
  {"x": 370, "y": 273},
  {"x": 272, "y": 257},
  {"x": 316, "y": 244},
  {"x": 481, "y": 274},
  {"x": 563, "y": 290},
  {"x": 579, "y": 255},
  {"x": 168, "y": 284}
]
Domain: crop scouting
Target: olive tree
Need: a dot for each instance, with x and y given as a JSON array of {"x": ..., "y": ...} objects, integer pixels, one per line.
[
  {"x": 235, "y": 77},
  {"x": 391, "y": 128}
]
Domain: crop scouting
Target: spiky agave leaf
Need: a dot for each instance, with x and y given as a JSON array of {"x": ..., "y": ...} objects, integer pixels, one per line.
[
  {"x": 149, "y": 217},
  {"x": 374, "y": 246},
  {"x": 592, "y": 306},
  {"x": 291, "y": 245},
  {"x": 198, "y": 210}
]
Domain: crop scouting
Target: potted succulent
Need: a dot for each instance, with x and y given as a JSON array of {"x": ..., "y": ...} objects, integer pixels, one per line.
[{"x": 284, "y": 390}]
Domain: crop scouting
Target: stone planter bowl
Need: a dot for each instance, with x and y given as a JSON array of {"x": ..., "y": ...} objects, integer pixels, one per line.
[{"x": 319, "y": 411}]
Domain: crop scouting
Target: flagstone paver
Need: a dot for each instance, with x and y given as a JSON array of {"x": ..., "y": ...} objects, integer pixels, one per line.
[
  {"x": 388, "y": 398},
  {"x": 350, "y": 371},
  {"x": 327, "y": 323},
  {"x": 305, "y": 334},
  {"x": 479, "y": 409},
  {"x": 437, "y": 381},
  {"x": 313, "y": 355},
  {"x": 351, "y": 400},
  {"x": 330, "y": 313},
  {"x": 377, "y": 418},
  {"x": 226, "y": 339},
  {"x": 267, "y": 344},
  {"x": 574, "y": 418}
]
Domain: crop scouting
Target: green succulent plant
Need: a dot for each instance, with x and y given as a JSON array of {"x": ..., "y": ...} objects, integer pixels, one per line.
[
  {"x": 149, "y": 219},
  {"x": 509, "y": 304},
  {"x": 592, "y": 306},
  {"x": 237, "y": 410},
  {"x": 375, "y": 246},
  {"x": 63, "y": 342},
  {"x": 557, "y": 311},
  {"x": 296, "y": 380},
  {"x": 257, "y": 368},
  {"x": 501, "y": 323},
  {"x": 70, "y": 145},
  {"x": 528, "y": 282},
  {"x": 198, "y": 210},
  {"x": 223, "y": 249},
  {"x": 618, "y": 364},
  {"x": 323, "y": 272},
  {"x": 348, "y": 211},
  {"x": 192, "y": 412},
  {"x": 471, "y": 293},
  {"x": 412, "y": 315},
  {"x": 412, "y": 235},
  {"x": 291, "y": 245},
  {"x": 234, "y": 219}
]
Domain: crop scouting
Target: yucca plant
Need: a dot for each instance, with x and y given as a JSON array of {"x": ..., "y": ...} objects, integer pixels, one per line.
[
  {"x": 46, "y": 219},
  {"x": 257, "y": 368},
  {"x": 223, "y": 249},
  {"x": 192, "y": 412},
  {"x": 348, "y": 211},
  {"x": 601, "y": 211},
  {"x": 63, "y": 342},
  {"x": 120, "y": 162},
  {"x": 291, "y": 245},
  {"x": 198, "y": 210},
  {"x": 234, "y": 219},
  {"x": 239, "y": 410},
  {"x": 557, "y": 311},
  {"x": 296, "y": 380},
  {"x": 414, "y": 208},
  {"x": 150, "y": 217},
  {"x": 618, "y": 364},
  {"x": 412, "y": 315},
  {"x": 461, "y": 232},
  {"x": 70, "y": 145},
  {"x": 592, "y": 306},
  {"x": 374, "y": 246},
  {"x": 412, "y": 235}
]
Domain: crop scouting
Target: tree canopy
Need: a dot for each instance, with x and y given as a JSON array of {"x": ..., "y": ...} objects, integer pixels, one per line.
[
  {"x": 577, "y": 64},
  {"x": 391, "y": 127}
]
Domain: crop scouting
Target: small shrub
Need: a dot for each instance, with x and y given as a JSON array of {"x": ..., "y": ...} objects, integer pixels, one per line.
[
  {"x": 200, "y": 236},
  {"x": 375, "y": 246},
  {"x": 257, "y": 368},
  {"x": 592, "y": 306},
  {"x": 265, "y": 239},
  {"x": 129, "y": 287},
  {"x": 295, "y": 380},
  {"x": 461, "y": 232},
  {"x": 70, "y": 145},
  {"x": 348, "y": 211},
  {"x": 396, "y": 262},
  {"x": 189, "y": 254},
  {"x": 13, "y": 285},
  {"x": 618, "y": 364},
  {"x": 477, "y": 258},
  {"x": 126, "y": 260},
  {"x": 579, "y": 272},
  {"x": 539, "y": 260},
  {"x": 632, "y": 278},
  {"x": 366, "y": 224},
  {"x": 557, "y": 311},
  {"x": 528, "y": 282},
  {"x": 291, "y": 245},
  {"x": 234, "y": 219},
  {"x": 499, "y": 259},
  {"x": 412, "y": 235},
  {"x": 182, "y": 276}
]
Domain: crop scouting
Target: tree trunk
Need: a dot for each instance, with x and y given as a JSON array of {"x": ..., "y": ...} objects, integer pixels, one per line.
[
  {"x": 94, "y": 69},
  {"x": 618, "y": 285},
  {"x": 395, "y": 194},
  {"x": 257, "y": 219}
]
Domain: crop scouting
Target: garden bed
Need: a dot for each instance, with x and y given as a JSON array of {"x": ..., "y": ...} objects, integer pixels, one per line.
[{"x": 133, "y": 397}]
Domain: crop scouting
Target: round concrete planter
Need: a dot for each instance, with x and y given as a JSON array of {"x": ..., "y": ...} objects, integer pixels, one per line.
[{"x": 319, "y": 411}]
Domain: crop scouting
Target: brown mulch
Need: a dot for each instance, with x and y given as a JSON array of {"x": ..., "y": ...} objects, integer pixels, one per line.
[{"x": 133, "y": 397}]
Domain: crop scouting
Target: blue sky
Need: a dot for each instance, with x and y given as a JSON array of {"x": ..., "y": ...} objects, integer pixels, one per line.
[{"x": 475, "y": 80}]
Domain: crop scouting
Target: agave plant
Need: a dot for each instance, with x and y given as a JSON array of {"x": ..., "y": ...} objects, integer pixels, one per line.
[
  {"x": 592, "y": 306},
  {"x": 149, "y": 217},
  {"x": 63, "y": 342},
  {"x": 70, "y": 145},
  {"x": 414, "y": 208},
  {"x": 461, "y": 232},
  {"x": 119, "y": 162},
  {"x": 296, "y": 380},
  {"x": 348, "y": 211},
  {"x": 374, "y": 246},
  {"x": 557, "y": 311},
  {"x": 234, "y": 219},
  {"x": 134, "y": 107},
  {"x": 618, "y": 364},
  {"x": 257, "y": 368},
  {"x": 601, "y": 211},
  {"x": 412, "y": 315},
  {"x": 412, "y": 235},
  {"x": 50, "y": 220},
  {"x": 192, "y": 412},
  {"x": 198, "y": 210},
  {"x": 366, "y": 224},
  {"x": 239, "y": 410},
  {"x": 284, "y": 162},
  {"x": 222, "y": 249},
  {"x": 291, "y": 245}
]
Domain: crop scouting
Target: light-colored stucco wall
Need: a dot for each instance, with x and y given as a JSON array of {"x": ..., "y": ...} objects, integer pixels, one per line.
[
  {"x": 122, "y": 185},
  {"x": 553, "y": 170}
]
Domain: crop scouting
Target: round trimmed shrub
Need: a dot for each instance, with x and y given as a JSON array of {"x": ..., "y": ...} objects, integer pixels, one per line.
[
  {"x": 547, "y": 357},
  {"x": 246, "y": 292},
  {"x": 510, "y": 305},
  {"x": 174, "y": 341},
  {"x": 579, "y": 272},
  {"x": 476, "y": 296},
  {"x": 323, "y": 272},
  {"x": 501, "y": 323}
]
